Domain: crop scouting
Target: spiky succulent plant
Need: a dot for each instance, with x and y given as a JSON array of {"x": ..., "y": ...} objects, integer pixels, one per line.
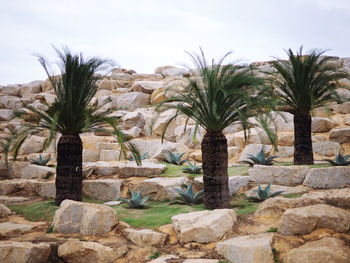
[
  {"x": 175, "y": 158},
  {"x": 40, "y": 161},
  {"x": 263, "y": 194},
  {"x": 188, "y": 195},
  {"x": 192, "y": 168},
  {"x": 259, "y": 158},
  {"x": 136, "y": 201},
  {"x": 339, "y": 160}
]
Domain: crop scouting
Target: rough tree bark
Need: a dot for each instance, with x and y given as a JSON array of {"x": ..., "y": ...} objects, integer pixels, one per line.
[
  {"x": 215, "y": 162},
  {"x": 69, "y": 168}
]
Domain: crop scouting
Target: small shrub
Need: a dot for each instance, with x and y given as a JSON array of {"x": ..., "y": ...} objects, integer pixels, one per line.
[
  {"x": 49, "y": 230},
  {"x": 260, "y": 158},
  {"x": 263, "y": 194},
  {"x": 40, "y": 161},
  {"x": 135, "y": 201},
  {"x": 192, "y": 168},
  {"x": 188, "y": 195},
  {"x": 340, "y": 160},
  {"x": 273, "y": 229},
  {"x": 154, "y": 255},
  {"x": 175, "y": 158}
]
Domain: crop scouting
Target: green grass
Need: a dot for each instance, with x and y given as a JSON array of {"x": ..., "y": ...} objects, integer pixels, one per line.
[
  {"x": 296, "y": 195},
  {"x": 238, "y": 170},
  {"x": 311, "y": 166},
  {"x": 272, "y": 229},
  {"x": 242, "y": 205},
  {"x": 154, "y": 215},
  {"x": 41, "y": 211}
]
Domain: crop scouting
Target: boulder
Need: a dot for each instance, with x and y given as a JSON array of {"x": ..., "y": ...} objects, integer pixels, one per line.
[
  {"x": 4, "y": 211},
  {"x": 254, "y": 136},
  {"x": 253, "y": 149},
  {"x": 10, "y": 102},
  {"x": 45, "y": 189},
  {"x": 33, "y": 144},
  {"x": 33, "y": 171},
  {"x": 5, "y": 114},
  {"x": 328, "y": 177},
  {"x": 102, "y": 189},
  {"x": 204, "y": 226},
  {"x": 147, "y": 86},
  {"x": 84, "y": 218},
  {"x": 247, "y": 249},
  {"x": 326, "y": 148},
  {"x": 285, "y": 138},
  {"x": 133, "y": 132},
  {"x": 105, "y": 84},
  {"x": 12, "y": 90},
  {"x": 325, "y": 250},
  {"x": 109, "y": 155},
  {"x": 187, "y": 136},
  {"x": 232, "y": 151},
  {"x": 322, "y": 124},
  {"x": 303, "y": 220},
  {"x": 105, "y": 168},
  {"x": 343, "y": 108},
  {"x": 24, "y": 252},
  {"x": 132, "y": 119},
  {"x": 161, "y": 121},
  {"x": 10, "y": 200},
  {"x": 131, "y": 169},
  {"x": 341, "y": 135},
  {"x": 8, "y": 228},
  {"x": 31, "y": 87},
  {"x": 90, "y": 156},
  {"x": 133, "y": 100},
  {"x": 282, "y": 175},
  {"x": 283, "y": 121},
  {"x": 106, "y": 146},
  {"x": 89, "y": 252},
  {"x": 284, "y": 152},
  {"x": 8, "y": 187},
  {"x": 145, "y": 237},
  {"x": 335, "y": 197},
  {"x": 161, "y": 188},
  {"x": 116, "y": 75},
  {"x": 174, "y": 72}
]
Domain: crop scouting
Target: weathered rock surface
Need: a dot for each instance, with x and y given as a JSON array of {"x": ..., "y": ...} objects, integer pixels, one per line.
[
  {"x": 145, "y": 237},
  {"x": 102, "y": 189},
  {"x": 341, "y": 135},
  {"x": 4, "y": 211},
  {"x": 147, "y": 86},
  {"x": 8, "y": 228},
  {"x": 247, "y": 249},
  {"x": 84, "y": 218},
  {"x": 33, "y": 144},
  {"x": 5, "y": 114},
  {"x": 322, "y": 124},
  {"x": 45, "y": 189},
  {"x": 89, "y": 252},
  {"x": 104, "y": 168},
  {"x": 33, "y": 171},
  {"x": 303, "y": 220},
  {"x": 24, "y": 252},
  {"x": 326, "y": 148},
  {"x": 90, "y": 156},
  {"x": 325, "y": 250},
  {"x": 204, "y": 226},
  {"x": 328, "y": 177},
  {"x": 131, "y": 169},
  {"x": 282, "y": 175},
  {"x": 12, "y": 186},
  {"x": 334, "y": 197},
  {"x": 132, "y": 100},
  {"x": 109, "y": 155}
]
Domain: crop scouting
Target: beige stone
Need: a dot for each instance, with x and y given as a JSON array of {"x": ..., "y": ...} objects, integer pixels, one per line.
[
  {"x": 8, "y": 228},
  {"x": 8, "y": 187},
  {"x": 45, "y": 189},
  {"x": 254, "y": 149},
  {"x": 10, "y": 102},
  {"x": 328, "y": 177},
  {"x": 325, "y": 250},
  {"x": 109, "y": 155},
  {"x": 84, "y": 218},
  {"x": 322, "y": 124},
  {"x": 133, "y": 100},
  {"x": 147, "y": 86},
  {"x": 90, "y": 156},
  {"x": 341, "y": 135},
  {"x": 204, "y": 226},
  {"x": 4, "y": 211},
  {"x": 303, "y": 220},
  {"x": 343, "y": 108},
  {"x": 102, "y": 189},
  {"x": 5, "y": 114},
  {"x": 254, "y": 136},
  {"x": 326, "y": 148},
  {"x": 33, "y": 144},
  {"x": 33, "y": 171},
  {"x": 131, "y": 169},
  {"x": 169, "y": 230},
  {"x": 106, "y": 84},
  {"x": 235, "y": 183},
  {"x": 132, "y": 119},
  {"x": 335, "y": 197},
  {"x": 247, "y": 249},
  {"x": 88, "y": 252},
  {"x": 24, "y": 252},
  {"x": 145, "y": 237}
]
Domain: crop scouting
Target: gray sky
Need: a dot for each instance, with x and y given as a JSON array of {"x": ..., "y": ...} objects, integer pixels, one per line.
[{"x": 142, "y": 35}]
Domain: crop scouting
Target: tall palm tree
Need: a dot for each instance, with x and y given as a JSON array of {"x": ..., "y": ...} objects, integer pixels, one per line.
[
  {"x": 303, "y": 83},
  {"x": 70, "y": 115},
  {"x": 218, "y": 95}
]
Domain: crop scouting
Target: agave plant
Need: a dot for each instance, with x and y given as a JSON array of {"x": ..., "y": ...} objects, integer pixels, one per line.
[
  {"x": 260, "y": 158},
  {"x": 40, "y": 161},
  {"x": 188, "y": 195},
  {"x": 263, "y": 194},
  {"x": 192, "y": 168},
  {"x": 340, "y": 160},
  {"x": 136, "y": 201},
  {"x": 175, "y": 158},
  {"x": 133, "y": 157}
]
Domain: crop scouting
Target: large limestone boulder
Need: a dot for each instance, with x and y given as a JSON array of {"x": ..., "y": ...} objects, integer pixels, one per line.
[
  {"x": 45, "y": 189},
  {"x": 343, "y": 108},
  {"x": 33, "y": 171},
  {"x": 24, "y": 252},
  {"x": 174, "y": 72},
  {"x": 253, "y": 149},
  {"x": 326, "y": 148},
  {"x": 303, "y": 220},
  {"x": 4, "y": 211},
  {"x": 104, "y": 168},
  {"x": 131, "y": 169},
  {"x": 90, "y": 156},
  {"x": 90, "y": 252},
  {"x": 254, "y": 136},
  {"x": 109, "y": 155},
  {"x": 161, "y": 188},
  {"x": 204, "y": 226},
  {"x": 147, "y": 86},
  {"x": 161, "y": 121},
  {"x": 247, "y": 249},
  {"x": 84, "y": 218},
  {"x": 145, "y": 237},
  {"x": 8, "y": 187},
  {"x": 132, "y": 119},
  {"x": 322, "y": 124},
  {"x": 335, "y": 197},
  {"x": 282, "y": 121},
  {"x": 102, "y": 189},
  {"x": 12, "y": 90},
  {"x": 10, "y": 102},
  {"x": 8, "y": 228},
  {"x": 341, "y": 135},
  {"x": 132, "y": 100},
  {"x": 284, "y": 152},
  {"x": 325, "y": 250},
  {"x": 5, "y": 114},
  {"x": 187, "y": 136},
  {"x": 33, "y": 144},
  {"x": 282, "y": 175},
  {"x": 328, "y": 177},
  {"x": 285, "y": 138}
]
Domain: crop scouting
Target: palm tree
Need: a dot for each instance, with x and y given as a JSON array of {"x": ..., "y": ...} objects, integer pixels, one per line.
[
  {"x": 303, "y": 83},
  {"x": 70, "y": 115},
  {"x": 218, "y": 96}
]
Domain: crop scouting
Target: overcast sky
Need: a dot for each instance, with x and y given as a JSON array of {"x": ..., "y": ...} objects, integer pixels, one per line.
[{"x": 142, "y": 35}]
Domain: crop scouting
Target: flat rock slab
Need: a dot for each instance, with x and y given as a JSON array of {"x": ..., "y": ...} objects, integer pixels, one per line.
[
  {"x": 24, "y": 252},
  {"x": 167, "y": 258},
  {"x": 15, "y": 185},
  {"x": 247, "y": 249},
  {"x": 235, "y": 183},
  {"x": 328, "y": 177},
  {"x": 8, "y": 228},
  {"x": 275, "y": 188},
  {"x": 303, "y": 220},
  {"x": 281, "y": 175},
  {"x": 203, "y": 226},
  {"x": 8, "y": 200},
  {"x": 325, "y": 250},
  {"x": 130, "y": 169},
  {"x": 102, "y": 189},
  {"x": 45, "y": 189},
  {"x": 145, "y": 237}
]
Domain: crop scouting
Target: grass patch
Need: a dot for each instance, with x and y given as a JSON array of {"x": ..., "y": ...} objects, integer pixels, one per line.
[
  {"x": 311, "y": 166},
  {"x": 273, "y": 229},
  {"x": 242, "y": 205},
  {"x": 238, "y": 170},
  {"x": 295, "y": 195},
  {"x": 41, "y": 211},
  {"x": 154, "y": 215}
]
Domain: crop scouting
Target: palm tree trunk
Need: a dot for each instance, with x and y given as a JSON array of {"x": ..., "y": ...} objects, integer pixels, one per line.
[
  {"x": 215, "y": 161},
  {"x": 303, "y": 153},
  {"x": 69, "y": 168}
]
